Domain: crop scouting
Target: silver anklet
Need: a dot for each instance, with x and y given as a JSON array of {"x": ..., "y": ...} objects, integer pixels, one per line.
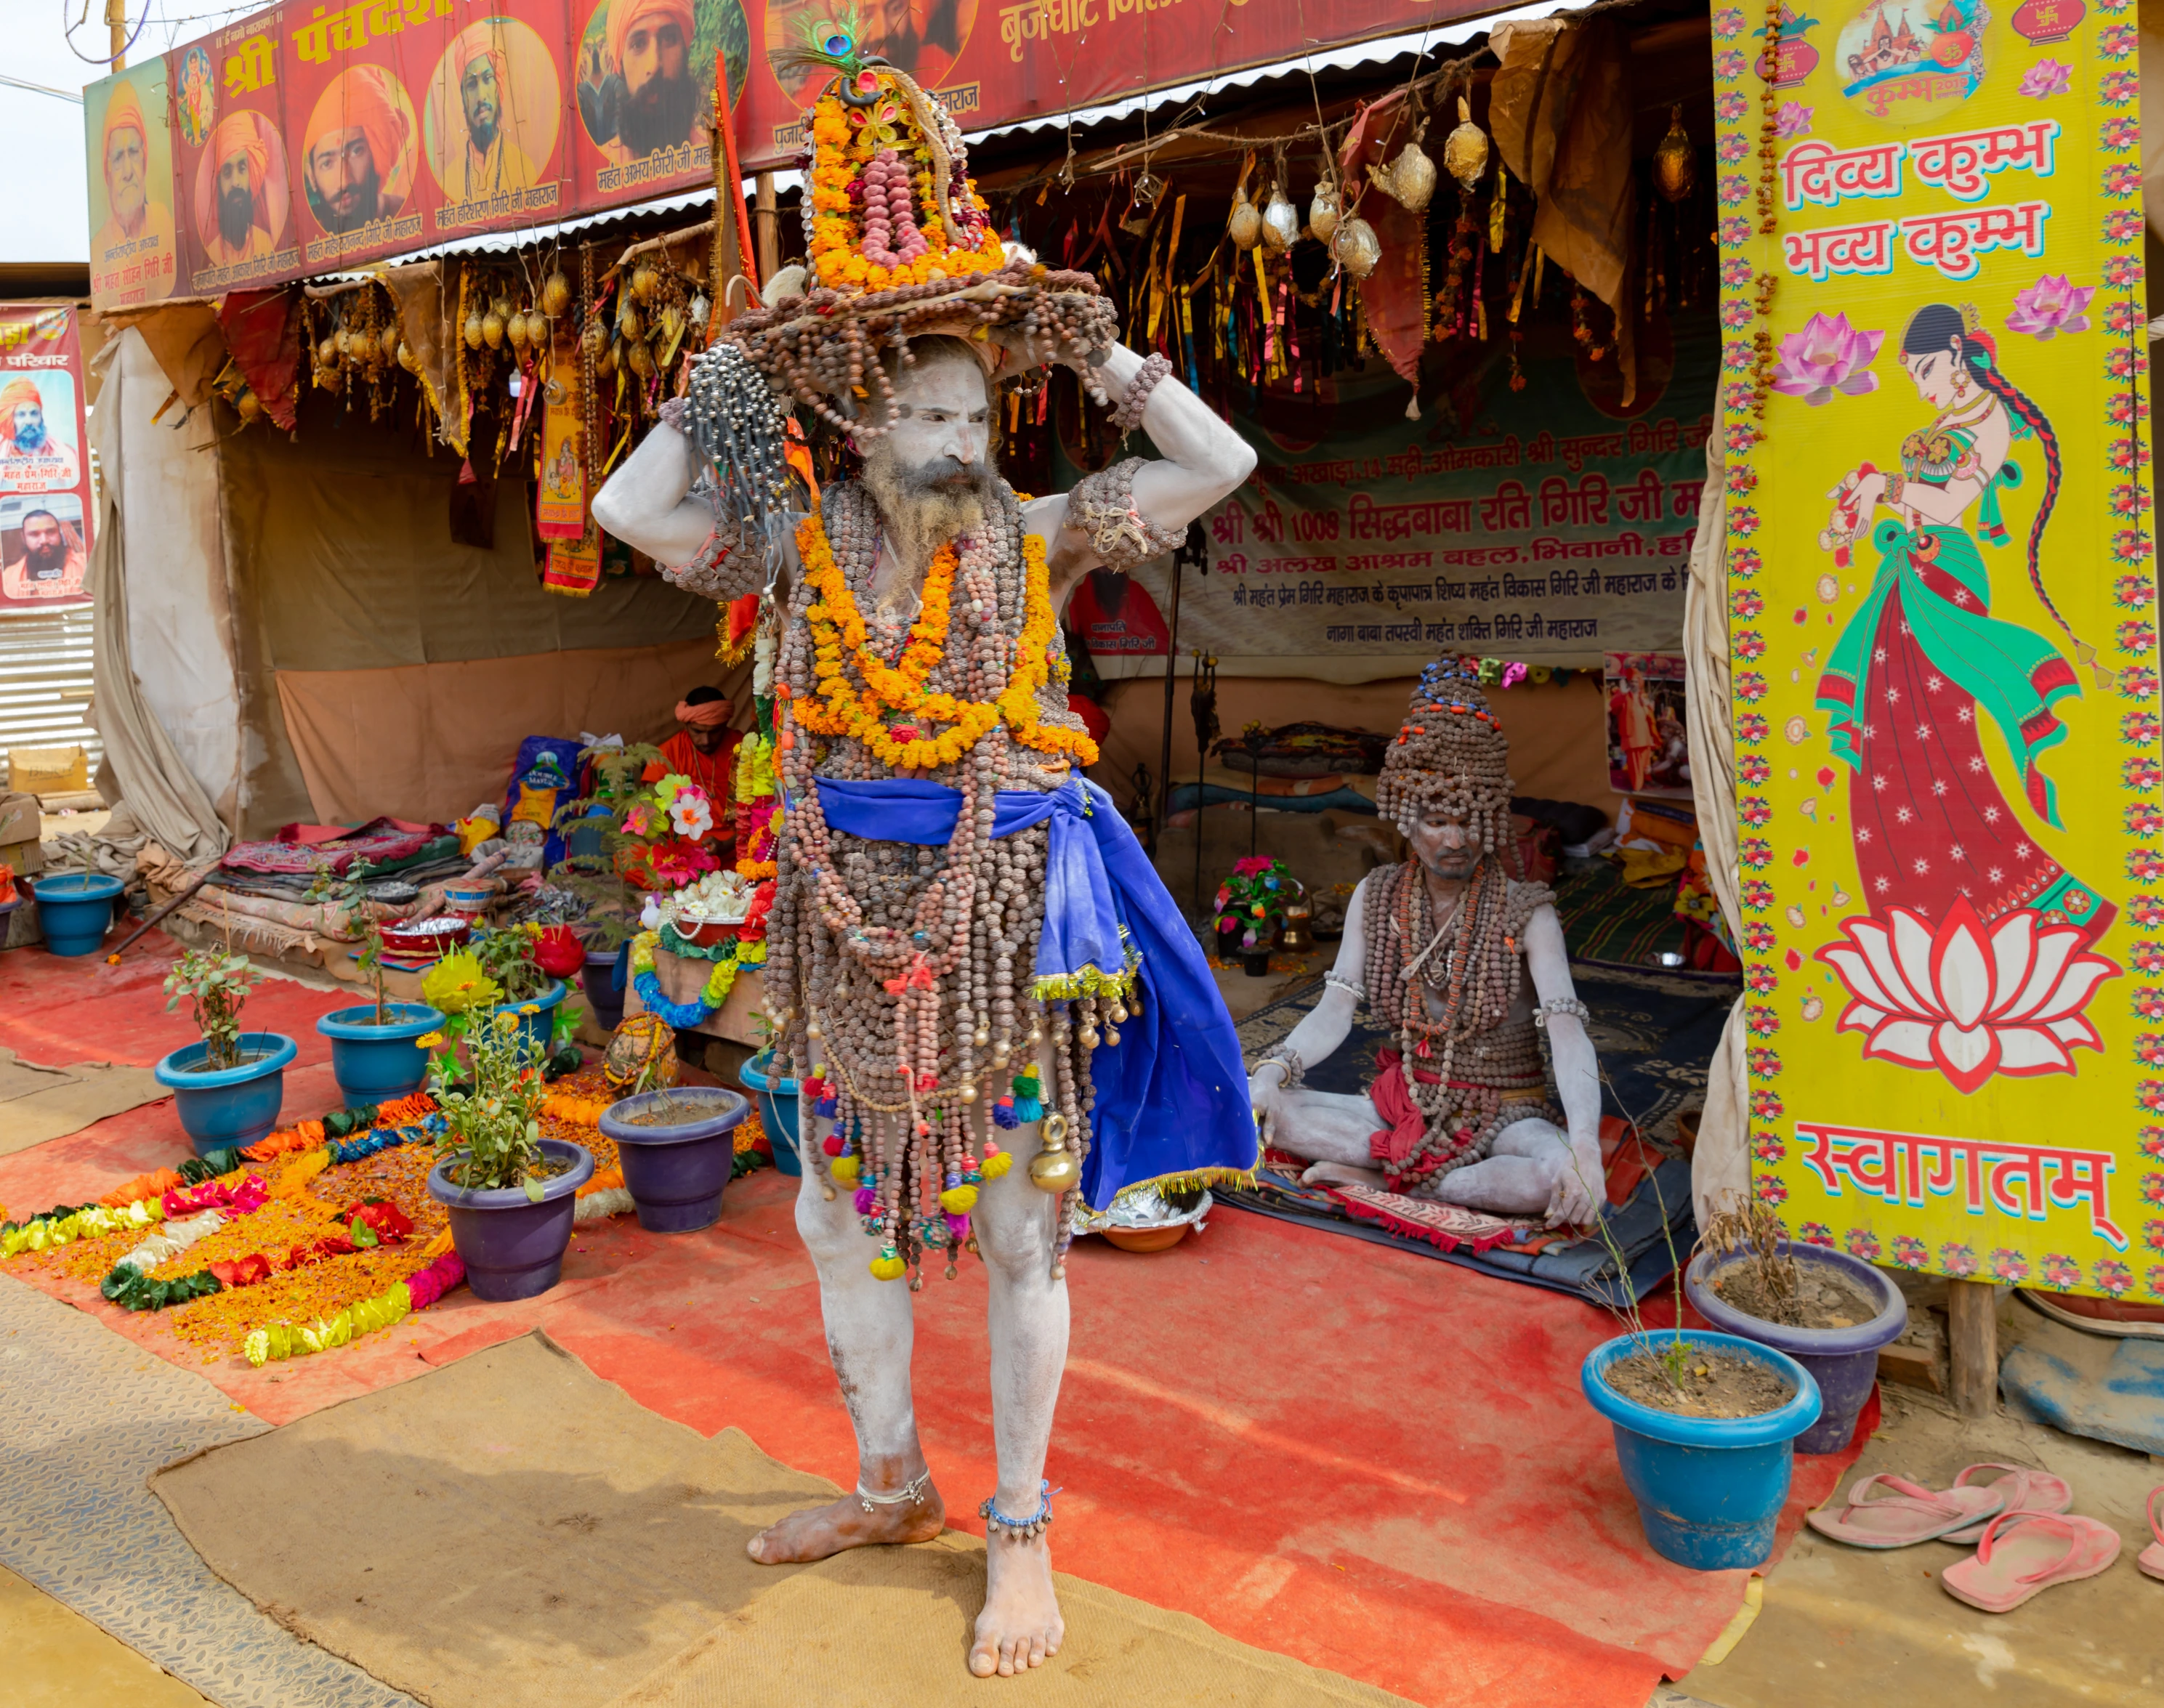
[
  {"x": 1018, "y": 1529},
  {"x": 909, "y": 1492}
]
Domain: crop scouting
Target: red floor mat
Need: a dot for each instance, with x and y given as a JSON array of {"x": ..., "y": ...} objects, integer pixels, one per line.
[{"x": 1334, "y": 1450}]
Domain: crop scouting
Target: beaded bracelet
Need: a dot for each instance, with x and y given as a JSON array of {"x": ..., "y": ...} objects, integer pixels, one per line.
[
  {"x": 1561, "y": 1005},
  {"x": 1129, "y": 415},
  {"x": 1287, "y": 1058},
  {"x": 1018, "y": 1529},
  {"x": 1336, "y": 982}
]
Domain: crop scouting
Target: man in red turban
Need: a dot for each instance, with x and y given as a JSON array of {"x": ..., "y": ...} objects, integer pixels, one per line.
[
  {"x": 705, "y": 750},
  {"x": 131, "y": 254},
  {"x": 360, "y": 166},
  {"x": 650, "y": 97},
  {"x": 240, "y": 230},
  {"x": 491, "y": 161}
]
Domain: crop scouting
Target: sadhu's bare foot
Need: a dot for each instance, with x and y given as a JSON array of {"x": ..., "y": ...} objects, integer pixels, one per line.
[
  {"x": 1020, "y": 1626},
  {"x": 1340, "y": 1174},
  {"x": 818, "y": 1531}
]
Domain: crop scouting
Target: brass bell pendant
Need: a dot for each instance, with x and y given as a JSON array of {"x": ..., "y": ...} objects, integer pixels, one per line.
[
  {"x": 1675, "y": 161},
  {"x": 1465, "y": 149},
  {"x": 1055, "y": 1168}
]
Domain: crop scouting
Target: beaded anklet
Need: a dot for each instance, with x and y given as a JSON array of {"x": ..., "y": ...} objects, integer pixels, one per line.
[
  {"x": 909, "y": 1493},
  {"x": 1018, "y": 1529}
]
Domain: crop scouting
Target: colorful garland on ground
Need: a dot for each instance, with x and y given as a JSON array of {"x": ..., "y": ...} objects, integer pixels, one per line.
[
  {"x": 417, "y": 1292},
  {"x": 721, "y": 979}
]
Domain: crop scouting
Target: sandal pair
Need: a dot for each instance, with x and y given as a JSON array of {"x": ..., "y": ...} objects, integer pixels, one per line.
[
  {"x": 1887, "y": 1510},
  {"x": 2020, "y": 1554}
]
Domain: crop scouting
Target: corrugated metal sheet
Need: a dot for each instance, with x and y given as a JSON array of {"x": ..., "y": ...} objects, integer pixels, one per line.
[{"x": 46, "y": 681}]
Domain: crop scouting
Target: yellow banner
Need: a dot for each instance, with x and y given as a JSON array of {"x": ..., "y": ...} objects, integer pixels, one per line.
[{"x": 1943, "y": 633}]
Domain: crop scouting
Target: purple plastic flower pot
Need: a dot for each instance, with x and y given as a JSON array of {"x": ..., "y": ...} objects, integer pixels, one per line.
[
  {"x": 512, "y": 1247},
  {"x": 676, "y": 1174},
  {"x": 1844, "y": 1362},
  {"x": 603, "y": 991}
]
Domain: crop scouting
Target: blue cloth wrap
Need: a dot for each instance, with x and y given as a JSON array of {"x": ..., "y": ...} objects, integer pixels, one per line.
[{"x": 1172, "y": 1094}]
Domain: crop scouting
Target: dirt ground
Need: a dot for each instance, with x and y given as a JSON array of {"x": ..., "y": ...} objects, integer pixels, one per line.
[{"x": 1843, "y": 1625}]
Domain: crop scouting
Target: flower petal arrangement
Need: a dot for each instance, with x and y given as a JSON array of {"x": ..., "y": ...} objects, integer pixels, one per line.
[
  {"x": 1828, "y": 355},
  {"x": 1969, "y": 999}
]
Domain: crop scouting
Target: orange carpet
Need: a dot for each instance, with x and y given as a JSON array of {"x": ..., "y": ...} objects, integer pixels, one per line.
[{"x": 1372, "y": 1462}]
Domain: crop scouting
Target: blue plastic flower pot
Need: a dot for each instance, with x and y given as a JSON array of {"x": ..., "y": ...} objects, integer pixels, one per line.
[
  {"x": 536, "y": 1025},
  {"x": 676, "y": 1174},
  {"x": 1709, "y": 1490},
  {"x": 75, "y": 911},
  {"x": 778, "y": 1108},
  {"x": 373, "y": 1064},
  {"x": 603, "y": 991},
  {"x": 512, "y": 1247},
  {"x": 229, "y": 1107},
  {"x": 1844, "y": 1362}
]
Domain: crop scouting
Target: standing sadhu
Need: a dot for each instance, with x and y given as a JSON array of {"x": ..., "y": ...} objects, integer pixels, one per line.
[{"x": 970, "y": 960}]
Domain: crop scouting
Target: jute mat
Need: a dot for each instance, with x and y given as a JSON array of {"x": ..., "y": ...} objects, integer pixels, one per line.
[
  {"x": 38, "y": 1103},
  {"x": 513, "y": 1529}
]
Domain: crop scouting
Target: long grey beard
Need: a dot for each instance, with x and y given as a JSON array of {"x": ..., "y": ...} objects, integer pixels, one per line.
[{"x": 919, "y": 517}]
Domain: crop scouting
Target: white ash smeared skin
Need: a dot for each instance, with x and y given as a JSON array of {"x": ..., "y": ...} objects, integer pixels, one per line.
[{"x": 648, "y": 504}]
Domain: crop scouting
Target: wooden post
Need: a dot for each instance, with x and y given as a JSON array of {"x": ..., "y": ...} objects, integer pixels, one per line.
[
  {"x": 1972, "y": 1346},
  {"x": 116, "y": 27},
  {"x": 769, "y": 225}
]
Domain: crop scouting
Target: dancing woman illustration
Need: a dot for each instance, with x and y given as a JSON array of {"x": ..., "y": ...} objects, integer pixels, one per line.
[{"x": 1923, "y": 662}]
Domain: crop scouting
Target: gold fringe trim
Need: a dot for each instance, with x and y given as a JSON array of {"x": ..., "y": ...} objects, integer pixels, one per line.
[
  {"x": 1087, "y": 981},
  {"x": 1244, "y": 1177}
]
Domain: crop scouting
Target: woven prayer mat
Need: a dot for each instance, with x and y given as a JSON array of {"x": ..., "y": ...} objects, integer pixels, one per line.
[
  {"x": 512, "y": 1529},
  {"x": 85, "y": 1416},
  {"x": 38, "y": 1103},
  {"x": 1607, "y": 921}
]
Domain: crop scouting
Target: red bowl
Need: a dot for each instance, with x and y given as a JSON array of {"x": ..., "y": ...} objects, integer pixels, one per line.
[
  {"x": 411, "y": 939},
  {"x": 706, "y": 932}
]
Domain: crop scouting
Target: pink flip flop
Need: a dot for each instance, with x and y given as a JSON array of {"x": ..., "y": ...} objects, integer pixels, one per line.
[
  {"x": 1909, "y": 1514},
  {"x": 2027, "y": 1490},
  {"x": 2022, "y": 1552},
  {"x": 2151, "y": 1560}
]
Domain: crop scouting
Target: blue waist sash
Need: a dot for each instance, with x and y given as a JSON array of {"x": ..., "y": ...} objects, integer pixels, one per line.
[{"x": 1172, "y": 1095}]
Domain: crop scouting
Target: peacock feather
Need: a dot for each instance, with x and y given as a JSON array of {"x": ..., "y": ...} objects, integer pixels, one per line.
[{"x": 823, "y": 45}]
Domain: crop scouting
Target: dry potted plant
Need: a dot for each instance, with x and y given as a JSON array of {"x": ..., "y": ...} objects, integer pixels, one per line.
[{"x": 229, "y": 1088}]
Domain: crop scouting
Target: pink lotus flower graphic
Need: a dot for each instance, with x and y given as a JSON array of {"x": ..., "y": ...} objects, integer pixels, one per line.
[
  {"x": 2060, "y": 1270},
  {"x": 1909, "y": 1252},
  {"x": 1793, "y": 120},
  {"x": 1969, "y": 999},
  {"x": 1828, "y": 355},
  {"x": 2046, "y": 78},
  {"x": 2049, "y": 306}
]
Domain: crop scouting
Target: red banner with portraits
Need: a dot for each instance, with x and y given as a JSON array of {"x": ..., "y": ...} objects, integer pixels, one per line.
[
  {"x": 44, "y": 462},
  {"x": 313, "y": 137}
]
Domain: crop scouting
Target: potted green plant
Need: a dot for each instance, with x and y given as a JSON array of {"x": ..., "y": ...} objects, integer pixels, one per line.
[
  {"x": 373, "y": 1057},
  {"x": 505, "y": 955},
  {"x": 511, "y": 1194},
  {"x": 229, "y": 1088}
]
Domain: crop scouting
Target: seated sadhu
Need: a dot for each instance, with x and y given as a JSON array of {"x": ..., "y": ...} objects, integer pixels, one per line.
[
  {"x": 705, "y": 750},
  {"x": 1439, "y": 946}
]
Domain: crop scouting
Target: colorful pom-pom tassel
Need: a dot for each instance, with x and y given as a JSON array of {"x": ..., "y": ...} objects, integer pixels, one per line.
[
  {"x": 832, "y": 1144},
  {"x": 958, "y": 1230},
  {"x": 889, "y": 1266},
  {"x": 958, "y": 1200},
  {"x": 828, "y": 1107},
  {"x": 1028, "y": 1109},
  {"x": 1003, "y": 1113},
  {"x": 997, "y": 1162},
  {"x": 844, "y": 1169},
  {"x": 867, "y": 1201}
]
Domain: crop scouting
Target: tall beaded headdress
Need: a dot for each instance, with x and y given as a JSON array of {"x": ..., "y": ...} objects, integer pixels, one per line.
[
  {"x": 1451, "y": 752},
  {"x": 899, "y": 246}
]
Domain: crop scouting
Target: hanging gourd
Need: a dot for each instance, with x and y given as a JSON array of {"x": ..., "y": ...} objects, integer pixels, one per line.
[
  {"x": 1675, "y": 161},
  {"x": 1280, "y": 222},
  {"x": 1409, "y": 180},
  {"x": 1324, "y": 211},
  {"x": 1245, "y": 225},
  {"x": 1356, "y": 246},
  {"x": 1465, "y": 149}
]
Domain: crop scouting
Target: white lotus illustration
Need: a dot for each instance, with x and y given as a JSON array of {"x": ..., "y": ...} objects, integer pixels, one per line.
[{"x": 1969, "y": 998}]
